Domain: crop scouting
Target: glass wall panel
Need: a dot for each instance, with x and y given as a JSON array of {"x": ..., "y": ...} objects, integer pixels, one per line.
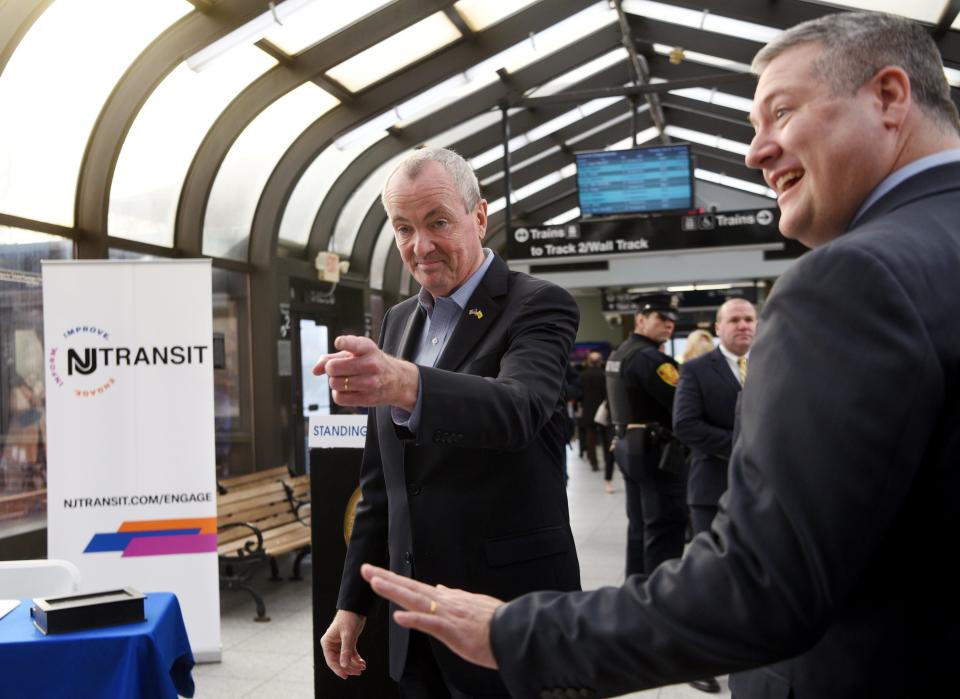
[
  {"x": 313, "y": 186},
  {"x": 23, "y": 461},
  {"x": 244, "y": 172},
  {"x": 53, "y": 89},
  {"x": 480, "y": 14},
  {"x": 231, "y": 372},
  {"x": 392, "y": 54},
  {"x": 153, "y": 164},
  {"x": 316, "y": 21}
]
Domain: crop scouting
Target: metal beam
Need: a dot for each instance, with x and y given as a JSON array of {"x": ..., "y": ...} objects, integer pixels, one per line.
[
  {"x": 947, "y": 18},
  {"x": 641, "y": 74},
  {"x": 709, "y": 80}
]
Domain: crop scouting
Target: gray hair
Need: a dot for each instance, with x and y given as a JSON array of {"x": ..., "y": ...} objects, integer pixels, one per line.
[
  {"x": 459, "y": 170},
  {"x": 856, "y": 45}
]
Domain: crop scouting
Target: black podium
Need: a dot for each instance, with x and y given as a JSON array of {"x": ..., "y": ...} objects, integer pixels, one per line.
[{"x": 334, "y": 475}]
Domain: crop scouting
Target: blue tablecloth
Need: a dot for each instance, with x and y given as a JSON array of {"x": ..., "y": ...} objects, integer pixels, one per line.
[{"x": 146, "y": 660}]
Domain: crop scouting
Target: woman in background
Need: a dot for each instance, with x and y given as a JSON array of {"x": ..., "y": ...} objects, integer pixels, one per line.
[{"x": 698, "y": 342}]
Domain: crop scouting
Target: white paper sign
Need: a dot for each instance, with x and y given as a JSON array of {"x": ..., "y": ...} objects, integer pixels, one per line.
[
  {"x": 130, "y": 431},
  {"x": 328, "y": 431}
]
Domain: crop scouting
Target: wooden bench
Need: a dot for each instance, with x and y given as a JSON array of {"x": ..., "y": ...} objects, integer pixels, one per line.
[
  {"x": 225, "y": 485},
  {"x": 259, "y": 519}
]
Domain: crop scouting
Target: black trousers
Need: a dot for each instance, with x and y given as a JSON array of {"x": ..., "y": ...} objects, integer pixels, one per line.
[
  {"x": 656, "y": 513},
  {"x": 423, "y": 679}
]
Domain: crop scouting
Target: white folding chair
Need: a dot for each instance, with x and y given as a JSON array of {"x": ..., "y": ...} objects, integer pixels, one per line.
[{"x": 38, "y": 578}]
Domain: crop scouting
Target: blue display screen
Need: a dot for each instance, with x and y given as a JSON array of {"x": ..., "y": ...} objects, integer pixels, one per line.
[{"x": 636, "y": 180}]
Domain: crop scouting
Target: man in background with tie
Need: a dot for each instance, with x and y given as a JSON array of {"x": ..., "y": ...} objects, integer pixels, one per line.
[
  {"x": 703, "y": 416},
  {"x": 704, "y": 406}
]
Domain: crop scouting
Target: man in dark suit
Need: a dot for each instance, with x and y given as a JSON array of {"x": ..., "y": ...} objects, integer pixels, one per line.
[
  {"x": 843, "y": 477},
  {"x": 462, "y": 473},
  {"x": 704, "y": 407},
  {"x": 703, "y": 412}
]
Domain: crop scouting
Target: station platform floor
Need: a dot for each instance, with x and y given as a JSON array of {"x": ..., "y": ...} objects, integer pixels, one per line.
[{"x": 274, "y": 660}]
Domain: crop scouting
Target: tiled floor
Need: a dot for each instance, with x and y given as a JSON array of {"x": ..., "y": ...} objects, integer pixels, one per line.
[{"x": 275, "y": 659}]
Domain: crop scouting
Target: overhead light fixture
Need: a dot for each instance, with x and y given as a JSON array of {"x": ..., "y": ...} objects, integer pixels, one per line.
[{"x": 248, "y": 33}]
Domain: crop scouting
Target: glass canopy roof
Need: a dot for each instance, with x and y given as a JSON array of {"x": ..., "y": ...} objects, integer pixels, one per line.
[{"x": 108, "y": 133}]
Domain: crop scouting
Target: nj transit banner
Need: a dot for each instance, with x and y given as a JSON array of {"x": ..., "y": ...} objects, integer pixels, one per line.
[{"x": 131, "y": 482}]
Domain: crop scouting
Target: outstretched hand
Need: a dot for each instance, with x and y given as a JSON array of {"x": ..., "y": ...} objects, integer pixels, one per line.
[
  {"x": 361, "y": 374},
  {"x": 460, "y": 619}
]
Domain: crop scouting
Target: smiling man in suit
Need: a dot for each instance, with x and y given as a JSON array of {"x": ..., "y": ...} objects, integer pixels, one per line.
[
  {"x": 818, "y": 568},
  {"x": 462, "y": 473}
]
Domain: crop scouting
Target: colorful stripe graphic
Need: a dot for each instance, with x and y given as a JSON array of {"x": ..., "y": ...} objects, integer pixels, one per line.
[{"x": 158, "y": 537}]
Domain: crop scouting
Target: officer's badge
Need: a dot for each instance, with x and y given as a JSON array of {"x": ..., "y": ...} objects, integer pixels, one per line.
[{"x": 668, "y": 372}]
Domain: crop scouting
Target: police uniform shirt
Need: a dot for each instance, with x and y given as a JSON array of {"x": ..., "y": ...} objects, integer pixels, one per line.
[{"x": 650, "y": 378}]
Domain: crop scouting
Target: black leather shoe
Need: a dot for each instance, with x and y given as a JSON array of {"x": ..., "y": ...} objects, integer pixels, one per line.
[{"x": 708, "y": 685}]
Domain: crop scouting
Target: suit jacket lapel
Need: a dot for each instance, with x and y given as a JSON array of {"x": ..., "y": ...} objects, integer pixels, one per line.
[
  {"x": 413, "y": 327},
  {"x": 479, "y": 316},
  {"x": 721, "y": 367}
]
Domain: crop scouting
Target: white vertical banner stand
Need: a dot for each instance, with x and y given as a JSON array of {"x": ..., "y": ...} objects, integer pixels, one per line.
[{"x": 131, "y": 475}]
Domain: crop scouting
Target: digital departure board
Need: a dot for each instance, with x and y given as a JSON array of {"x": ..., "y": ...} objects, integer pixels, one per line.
[{"x": 635, "y": 180}]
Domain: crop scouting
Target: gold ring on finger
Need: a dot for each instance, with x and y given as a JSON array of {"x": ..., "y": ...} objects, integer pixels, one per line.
[
  {"x": 433, "y": 606},
  {"x": 346, "y": 383}
]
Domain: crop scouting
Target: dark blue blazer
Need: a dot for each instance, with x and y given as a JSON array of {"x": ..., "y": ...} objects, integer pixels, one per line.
[
  {"x": 703, "y": 412},
  {"x": 826, "y": 556}
]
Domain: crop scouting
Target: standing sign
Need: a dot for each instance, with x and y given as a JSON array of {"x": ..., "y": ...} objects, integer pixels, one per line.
[{"x": 130, "y": 431}]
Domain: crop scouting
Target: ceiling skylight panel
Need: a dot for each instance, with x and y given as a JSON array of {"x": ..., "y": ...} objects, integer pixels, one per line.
[
  {"x": 607, "y": 124},
  {"x": 705, "y": 59},
  {"x": 392, "y": 54},
  {"x": 722, "y": 99},
  {"x": 318, "y": 20},
  {"x": 529, "y": 190},
  {"x": 151, "y": 169},
  {"x": 560, "y": 35},
  {"x": 564, "y": 82},
  {"x": 352, "y": 213},
  {"x": 735, "y": 182},
  {"x": 314, "y": 185},
  {"x": 700, "y": 20},
  {"x": 244, "y": 172},
  {"x": 515, "y": 167},
  {"x": 53, "y": 88},
  {"x": 566, "y": 216},
  {"x": 923, "y": 10},
  {"x": 707, "y": 140},
  {"x": 645, "y": 136},
  {"x": 480, "y": 14},
  {"x": 953, "y": 76}
]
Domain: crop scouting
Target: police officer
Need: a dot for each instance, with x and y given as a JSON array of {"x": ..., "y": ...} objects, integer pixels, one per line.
[{"x": 641, "y": 381}]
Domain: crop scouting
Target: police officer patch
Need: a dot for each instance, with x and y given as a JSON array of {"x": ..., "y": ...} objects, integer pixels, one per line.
[{"x": 668, "y": 372}]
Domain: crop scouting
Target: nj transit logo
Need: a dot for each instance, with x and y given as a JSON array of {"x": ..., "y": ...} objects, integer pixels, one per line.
[
  {"x": 89, "y": 362},
  {"x": 158, "y": 537}
]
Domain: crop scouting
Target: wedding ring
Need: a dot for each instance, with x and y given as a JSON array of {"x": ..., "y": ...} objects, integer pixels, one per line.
[
  {"x": 433, "y": 607},
  {"x": 346, "y": 383}
]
